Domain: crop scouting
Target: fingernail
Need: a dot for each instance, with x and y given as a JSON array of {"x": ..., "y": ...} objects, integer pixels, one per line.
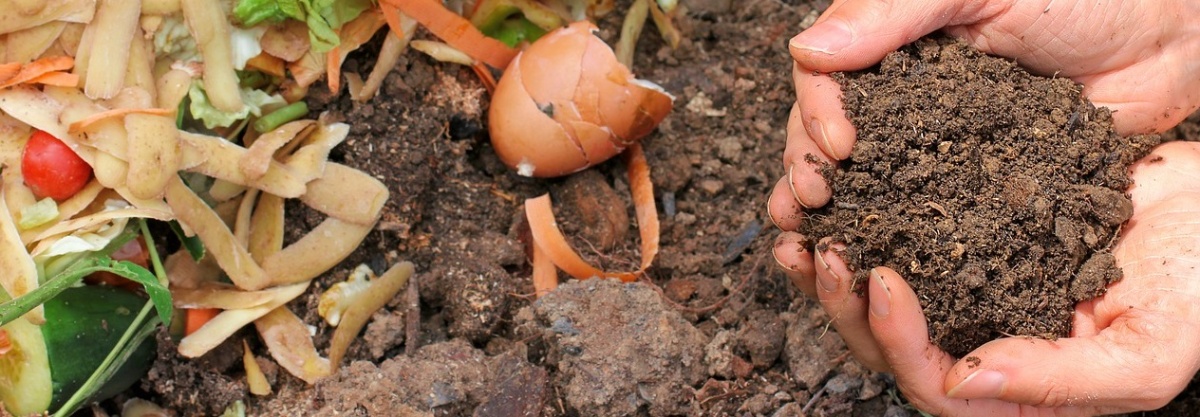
[
  {"x": 817, "y": 130},
  {"x": 771, "y": 215},
  {"x": 783, "y": 239},
  {"x": 881, "y": 299},
  {"x": 984, "y": 383},
  {"x": 828, "y": 280},
  {"x": 792, "y": 185},
  {"x": 827, "y": 37}
]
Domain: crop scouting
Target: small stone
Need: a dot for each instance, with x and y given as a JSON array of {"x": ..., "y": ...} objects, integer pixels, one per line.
[{"x": 711, "y": 186}]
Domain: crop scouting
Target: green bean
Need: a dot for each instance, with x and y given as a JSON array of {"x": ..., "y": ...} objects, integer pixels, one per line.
[{"x": 277, "y": 118}]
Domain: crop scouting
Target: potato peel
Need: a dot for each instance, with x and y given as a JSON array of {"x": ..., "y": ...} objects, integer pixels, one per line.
[
  {"x": 222, "y": 296},
  {"x": 257, "y": 160},
  {"x": 375, "y": 297},
  {"x": 20, "y": 273},
  {"x": 255, "y": 379},
  {"x": 288, "y": 341},
  {"x": 347, "y": 194},
  {"x": 229, "y": 322},
  {"x": 220, "y": 241}
]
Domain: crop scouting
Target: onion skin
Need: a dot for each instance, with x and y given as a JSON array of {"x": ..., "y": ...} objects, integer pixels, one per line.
[{"x": 565, "y": 104}]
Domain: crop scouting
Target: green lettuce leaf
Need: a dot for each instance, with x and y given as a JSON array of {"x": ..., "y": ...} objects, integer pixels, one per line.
[{"x": 323, "y": 17}]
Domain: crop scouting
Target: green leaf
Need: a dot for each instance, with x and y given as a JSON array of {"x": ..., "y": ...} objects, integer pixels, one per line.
[
  {"x": 253, "y": 12},
  {"x": 159, "y": 295},
  {"x": 11, "y": 309},
  {"x": 323, "y": 17},
  {"x": 192, "y": 243},
  {"x": 320, "y": 34},
  {"x": 340, "y": 12},
  {"x": 513, "y": 31}
]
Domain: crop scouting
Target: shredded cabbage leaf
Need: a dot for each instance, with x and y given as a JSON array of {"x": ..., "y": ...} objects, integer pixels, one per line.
[
  {"x": 173, "y": 41},
  {"x": 37, "y": 214}
]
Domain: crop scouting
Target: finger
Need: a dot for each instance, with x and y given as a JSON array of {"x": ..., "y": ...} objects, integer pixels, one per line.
[
  {"x": 1169, "y": 169},
  {"x": 1083, "y": 320},
  {"x": 847, "y": 310},
  {"x": 1125, "y": 368},
  {"x": 821, "y": 112},
  {"x": 782, "y": 207},
  {"x": 900, "y": 329},
  {"x": 919, "y": 366},
  {"x": 858, "y": 33},
  {"x": 792, "y": 255},
  {"x": 1133, "y": 117},
  {"x": 804, "y": 161}
]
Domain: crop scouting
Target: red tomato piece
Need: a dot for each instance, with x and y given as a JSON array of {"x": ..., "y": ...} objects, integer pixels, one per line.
[{"x": 52, "y": 169}]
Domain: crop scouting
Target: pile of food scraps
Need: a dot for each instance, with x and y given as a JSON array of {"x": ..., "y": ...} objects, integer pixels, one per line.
[{"x": 128, "y": 128}]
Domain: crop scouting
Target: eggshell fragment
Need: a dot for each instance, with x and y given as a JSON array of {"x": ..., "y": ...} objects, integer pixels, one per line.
[{"x": 565, "y": 104}]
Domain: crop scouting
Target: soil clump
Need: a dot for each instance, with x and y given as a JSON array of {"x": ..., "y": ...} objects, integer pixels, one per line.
[{"x": 997, "y": 194}]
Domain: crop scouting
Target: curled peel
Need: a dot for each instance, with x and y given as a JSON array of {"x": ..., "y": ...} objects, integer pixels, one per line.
[{"x": 550, "y": 244}]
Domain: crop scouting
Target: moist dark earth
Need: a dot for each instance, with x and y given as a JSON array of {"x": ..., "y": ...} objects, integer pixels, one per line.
[
  {"x": 714, "y": 329},
  {"x": 995, "y": 193}
]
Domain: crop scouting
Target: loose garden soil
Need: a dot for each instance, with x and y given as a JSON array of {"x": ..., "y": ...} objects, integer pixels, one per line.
[
  {"x": 714, "y": 329},
  {"x": 997, "y": 194}
]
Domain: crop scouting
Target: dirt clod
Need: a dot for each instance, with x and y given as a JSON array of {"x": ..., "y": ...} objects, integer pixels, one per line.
[
  {"x": 995, "y": 193},
  {"x": 624, "y": 352}
]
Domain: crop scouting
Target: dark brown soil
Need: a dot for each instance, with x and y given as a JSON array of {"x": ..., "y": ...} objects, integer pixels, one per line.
[
  {"x": 716, "y": 330},
  {"x": 995, "y": 193}
]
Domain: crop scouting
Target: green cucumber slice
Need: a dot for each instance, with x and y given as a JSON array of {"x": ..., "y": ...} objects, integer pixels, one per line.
[{"x": 48, "y": 364}]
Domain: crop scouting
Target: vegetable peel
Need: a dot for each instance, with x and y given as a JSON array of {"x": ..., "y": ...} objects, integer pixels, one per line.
[{"x": 550, "y": 240}]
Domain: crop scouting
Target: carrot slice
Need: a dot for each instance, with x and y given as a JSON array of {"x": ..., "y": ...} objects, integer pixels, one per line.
[
  {"x": 9, "y": 70},
  {"x": 456, "y": 31},
  {"x": 548, "y": 238},
  {"x": 333, "y": 70},
  {"x": 84, "y": 123},
  {"x": 38, "y": 68},
  {"x": 57, "y": 78},
  {"x": 196, "y": 317},
  {"x": 391, "y": 14}
]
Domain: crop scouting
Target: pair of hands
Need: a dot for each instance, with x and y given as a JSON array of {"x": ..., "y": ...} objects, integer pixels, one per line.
[{"x": 1133, "y": 349}]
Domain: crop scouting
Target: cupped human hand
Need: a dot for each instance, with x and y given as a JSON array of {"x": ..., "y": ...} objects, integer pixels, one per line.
[
  {"x": 1140, "y": 59},
  {"x": 1134, "y": 348}
]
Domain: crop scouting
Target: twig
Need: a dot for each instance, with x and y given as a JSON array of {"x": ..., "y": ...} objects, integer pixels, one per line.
[
  {"x": 812, "y": 401},
  {"x": 412, "y": 327}
]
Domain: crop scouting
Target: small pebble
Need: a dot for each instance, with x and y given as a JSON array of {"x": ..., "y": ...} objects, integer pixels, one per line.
[{"x": 711, "y": 186}]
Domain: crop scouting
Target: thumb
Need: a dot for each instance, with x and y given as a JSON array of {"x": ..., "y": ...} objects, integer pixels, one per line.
[
  {"x": 856, "y": 34},
  {"x": 1131, "y": 365}
]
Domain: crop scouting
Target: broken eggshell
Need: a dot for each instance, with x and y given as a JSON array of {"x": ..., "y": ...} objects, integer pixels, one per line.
[{"x": 565, "y": 104}]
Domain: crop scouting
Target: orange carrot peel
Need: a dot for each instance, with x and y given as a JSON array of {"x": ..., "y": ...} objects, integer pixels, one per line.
[
  {"x": 550, "y": 242},
  {"x": 455, "y": 30},
  {"x": 46, "y": 70},
  {"x": 197, "y": 317},
  {"x": 82, "y": 124}
]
